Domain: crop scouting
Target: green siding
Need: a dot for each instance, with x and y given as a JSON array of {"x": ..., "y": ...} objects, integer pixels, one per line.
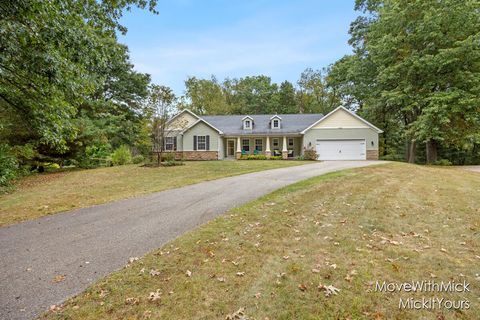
[
  {"x": 200, "y": 129},
  {"x": 368, "y": 134}
]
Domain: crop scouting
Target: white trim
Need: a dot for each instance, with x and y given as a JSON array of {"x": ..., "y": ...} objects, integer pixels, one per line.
[
  {"x": 233, "y": 155},
  {"x": 205, "y": 143},
  {"x": 250, "y": 123},
  {"x": 350, "y": 112},
  {"x": 276, "y": 116},
  {"x": 181, "y": 112},
  {"x": 255, "y": 144},
  {"x": 248, "y": 139},
  {"x": 201, "y": 120},
  {"x": 293, "y": 144},
  {"x": 317, "y": 141},
  {"x": 279, "y": 121},
  {"x": 247, "y": 117},
  {"x": 278, "y": 142}
]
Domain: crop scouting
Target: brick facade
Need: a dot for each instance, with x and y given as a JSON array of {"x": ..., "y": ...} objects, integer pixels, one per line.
[
  {"x": 197, "y": 155},
  {"x": 372, "y": 154}
]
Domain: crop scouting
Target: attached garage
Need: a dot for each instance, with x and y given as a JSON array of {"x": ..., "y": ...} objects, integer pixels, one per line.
[
  {"x": 342, "y": 135},
  {"x": 341, "y": 149}
]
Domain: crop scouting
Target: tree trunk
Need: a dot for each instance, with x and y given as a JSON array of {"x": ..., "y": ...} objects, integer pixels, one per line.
[
  {"x": 411, "y": 154},
  {"x": 431, "y": 151},
  {"x": 159, "y": 159}
]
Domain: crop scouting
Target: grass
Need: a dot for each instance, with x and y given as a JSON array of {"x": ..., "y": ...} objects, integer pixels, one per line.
[
  {"x": 48, "y": 193},
  {"x": 349, "y": 229}
]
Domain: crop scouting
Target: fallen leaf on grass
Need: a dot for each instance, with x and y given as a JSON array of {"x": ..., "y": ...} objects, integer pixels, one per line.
[
  {"x": 443, "y": 250},
  {"x": 329, "y": 290},
  {"x": 221, "y": 279},
  {"x": 237, "y": 315},
  {"x": 103, "y": 293},
  {"x": 54, "y": 308},
  {"x": 132, "y": 260},
  {"x": 302, "y": 287},
  {"x": 154, "y": 296},
  {"x": 315, "y": 270},
  {"x": 154, "y": 272},
  {"x": 188, "y": 273},
  {"x": 131, "y": 301},
  {"x": 240, "y": 274}
]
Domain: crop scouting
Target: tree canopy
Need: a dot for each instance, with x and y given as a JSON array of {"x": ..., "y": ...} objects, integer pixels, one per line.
[
  {"x": 415, "y": 71},
  {"x": 66, "y": 83},
  {"x": 259, "y": 95}
]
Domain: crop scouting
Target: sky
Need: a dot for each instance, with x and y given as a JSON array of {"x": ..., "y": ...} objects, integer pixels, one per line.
[{"x": 236, "y": 38}]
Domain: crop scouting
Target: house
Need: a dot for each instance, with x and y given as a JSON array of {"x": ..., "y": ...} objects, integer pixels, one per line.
[{"x": 339, "y": 135}]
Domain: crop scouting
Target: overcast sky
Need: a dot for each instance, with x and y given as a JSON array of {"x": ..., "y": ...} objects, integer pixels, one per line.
[{"x": 237, "y": 38}]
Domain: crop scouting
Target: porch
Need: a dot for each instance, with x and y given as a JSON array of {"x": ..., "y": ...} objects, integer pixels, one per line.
[{"x": 287, "y": 147}]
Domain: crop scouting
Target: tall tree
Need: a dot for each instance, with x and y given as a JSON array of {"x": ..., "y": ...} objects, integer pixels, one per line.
[
  {"x": 161, "y": 106},
  {"x": 205, "y": 96},
  {"x": 422, "y": 58},
  {"x": 313, "y": 95},
  {"x": 286, "y": 98},
  {"x": 50, "y": 52}
]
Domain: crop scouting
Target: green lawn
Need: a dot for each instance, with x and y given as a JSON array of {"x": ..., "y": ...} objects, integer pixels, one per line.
[
  {"x": 49, "y": 193},
  {"x": 276, "y": 256}
]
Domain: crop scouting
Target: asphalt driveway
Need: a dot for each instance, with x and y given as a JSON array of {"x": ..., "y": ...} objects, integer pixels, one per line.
[{"x": 81, "y": 246}]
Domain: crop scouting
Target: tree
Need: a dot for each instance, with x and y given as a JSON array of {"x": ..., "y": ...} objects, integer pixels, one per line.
[
  {"x": 161, "y": 105},
  {"x": 205, "y": 96},
  {"x": 286, "y": 98},
  {"x": 51, "y": 57},
  {"x": 254, "y": 95},
  {"x": 313, "y": 95},
  {"x": 422, "y": 62}
]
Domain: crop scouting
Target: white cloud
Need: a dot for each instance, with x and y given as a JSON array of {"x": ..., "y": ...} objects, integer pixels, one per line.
[{"x": 257, "y": 45}]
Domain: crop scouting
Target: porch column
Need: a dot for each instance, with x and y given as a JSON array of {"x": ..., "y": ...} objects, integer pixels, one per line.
[
  {"x": 284, "y": 148},
  {"x": 239, "y": 150},
  {"x": 268, "y": 153}
]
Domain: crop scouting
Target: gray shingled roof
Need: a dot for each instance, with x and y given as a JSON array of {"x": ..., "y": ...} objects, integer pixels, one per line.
[{"x": 291, "y": 123}]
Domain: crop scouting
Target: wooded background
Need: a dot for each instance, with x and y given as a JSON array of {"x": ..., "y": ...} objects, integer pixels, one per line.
[{"x": 70, "y": 95}]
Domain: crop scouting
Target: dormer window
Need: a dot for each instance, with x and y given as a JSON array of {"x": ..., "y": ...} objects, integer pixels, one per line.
[
  {"x": 247, "y": 123},
  {"x": 275, "y": 122}
]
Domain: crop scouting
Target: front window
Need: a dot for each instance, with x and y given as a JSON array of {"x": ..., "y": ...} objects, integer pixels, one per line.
[
  {"x": 276, "y": 124},
  {"x": 201, "y": 143},
  {"x": 169, "y": 143},
  {"x": 248, "y": 124},
  {"x": 275, "y": 143},
  {"x": 258, "y": 144},
  {"x": 290, "y": 142},
  {"x": 246, "y": 145}
]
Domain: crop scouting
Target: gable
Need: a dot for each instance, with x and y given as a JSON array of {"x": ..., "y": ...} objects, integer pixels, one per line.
[
  {"x": 340, "y": 119},
  {"x": 182, "y": 121}
]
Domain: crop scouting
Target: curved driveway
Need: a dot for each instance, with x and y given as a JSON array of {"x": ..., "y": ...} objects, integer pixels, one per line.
[{"x": 87, "y": 244}]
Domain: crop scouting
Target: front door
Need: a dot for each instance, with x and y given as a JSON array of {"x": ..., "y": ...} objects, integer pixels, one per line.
[{"x": 230, "y": 148}]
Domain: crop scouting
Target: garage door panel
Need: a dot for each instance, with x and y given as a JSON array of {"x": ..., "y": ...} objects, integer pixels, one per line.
[{"x": 341, "y": 149}]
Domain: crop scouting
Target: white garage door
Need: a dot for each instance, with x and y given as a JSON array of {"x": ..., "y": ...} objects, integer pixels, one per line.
[{"x": 341, "y": 150}]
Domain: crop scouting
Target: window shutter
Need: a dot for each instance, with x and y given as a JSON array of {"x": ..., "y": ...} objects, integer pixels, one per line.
[
  {"x": 175, "y": 143},
  {"x": 207, "y": 139},
  {"x": 195, "y": 143}
]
